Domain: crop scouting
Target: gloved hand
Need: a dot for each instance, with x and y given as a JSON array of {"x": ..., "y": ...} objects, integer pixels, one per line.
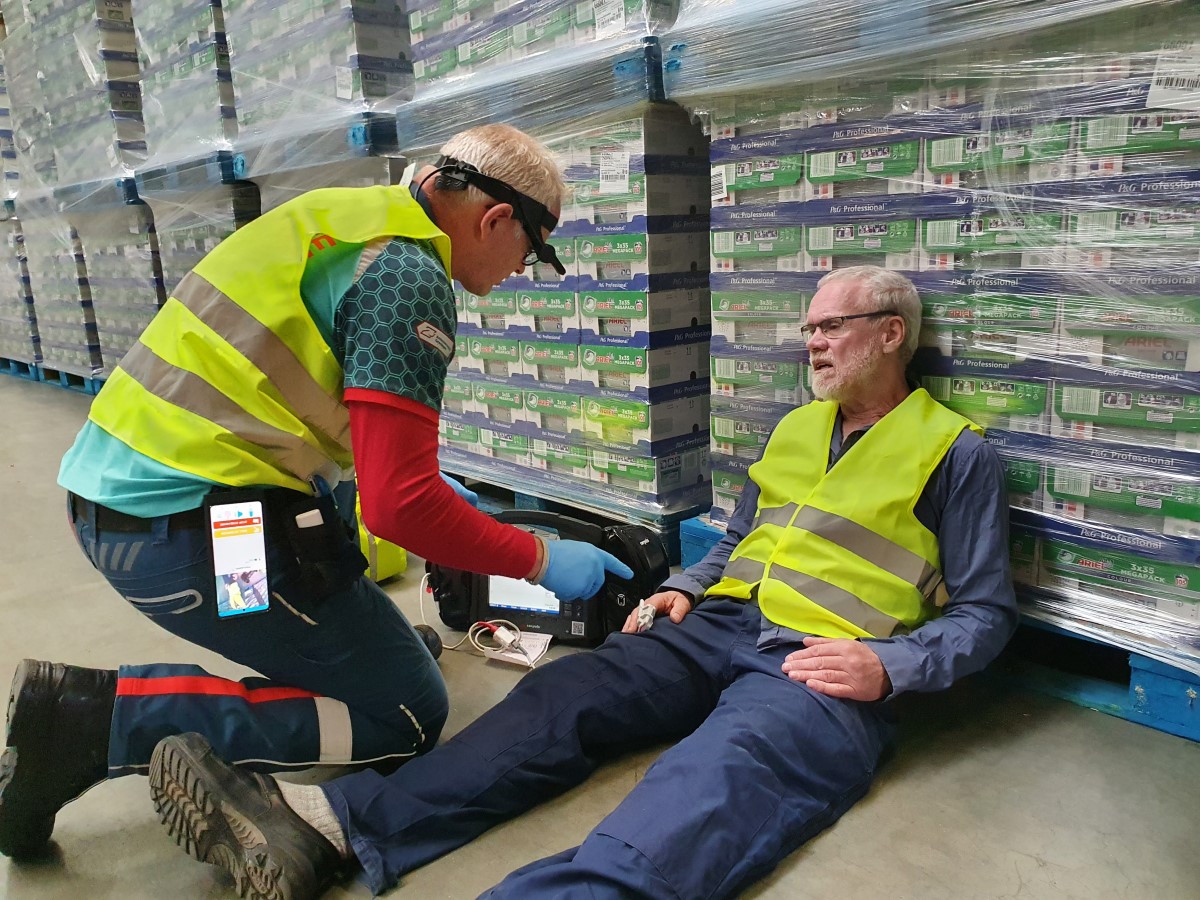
[
  {"x": 461, "y": 489},
  {"x": 576, "y": 569}
]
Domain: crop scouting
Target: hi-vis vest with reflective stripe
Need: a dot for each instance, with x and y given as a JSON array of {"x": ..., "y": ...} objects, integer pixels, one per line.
[
  {"x": 840, "y": 553},
  {"x": 232, "y": 381}
]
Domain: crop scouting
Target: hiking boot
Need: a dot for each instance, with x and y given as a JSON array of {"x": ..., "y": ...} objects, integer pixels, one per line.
[
  {"x": 239, "y": 821},
  {"x": 56, "y": 747}
]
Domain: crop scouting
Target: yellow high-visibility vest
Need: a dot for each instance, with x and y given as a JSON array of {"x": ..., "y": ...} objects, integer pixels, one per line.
[
  {"x": 839, "y": 553},
  {"x": 232, "y": 381}
]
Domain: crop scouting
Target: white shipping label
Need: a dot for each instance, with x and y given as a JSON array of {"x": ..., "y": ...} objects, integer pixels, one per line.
[
  {"x": 1176, "y": 82},
  {"x": 609, "y": 17},
  {"x": 718, "y": 186},
  {"x": 614, "y": 171}
]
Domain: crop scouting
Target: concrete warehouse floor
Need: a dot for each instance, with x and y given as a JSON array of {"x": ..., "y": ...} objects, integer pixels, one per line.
[{"x": 995, "y": 792}]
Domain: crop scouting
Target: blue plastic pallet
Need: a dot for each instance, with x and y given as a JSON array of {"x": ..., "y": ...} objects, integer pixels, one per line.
[
  {"x": 70, "y": 380},
  {"x": 1124, "y": 684},
  {"x": 18, "y": 369}
]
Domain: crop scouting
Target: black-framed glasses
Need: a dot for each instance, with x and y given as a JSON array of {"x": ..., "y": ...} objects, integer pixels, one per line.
[
  {"x": 835, "y": 326},
  {"x": 532, "y": 214}
]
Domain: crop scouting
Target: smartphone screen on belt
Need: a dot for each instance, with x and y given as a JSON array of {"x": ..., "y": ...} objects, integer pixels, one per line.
[{"x": 239, "y": 552}]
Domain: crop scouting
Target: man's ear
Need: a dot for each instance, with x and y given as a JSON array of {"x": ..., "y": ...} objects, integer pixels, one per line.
[
  {"x": 494, "y": 216},
  {"x": 894, "y": 333}
]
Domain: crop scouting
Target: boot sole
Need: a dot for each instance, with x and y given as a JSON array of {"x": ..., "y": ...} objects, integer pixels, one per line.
[
  {"x": 208, "y": 828},
  {"x": 19, "y": 837}
]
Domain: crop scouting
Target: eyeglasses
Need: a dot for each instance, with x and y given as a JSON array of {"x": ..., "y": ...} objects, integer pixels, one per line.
[
  {"x": 533, "y": 215},
  {"x": 835, "y": 326}
]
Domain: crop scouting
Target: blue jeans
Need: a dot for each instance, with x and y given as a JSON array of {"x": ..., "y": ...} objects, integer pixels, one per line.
[
  {"x": 763, "y": 764},
  {"x": 347, "y": 679}
]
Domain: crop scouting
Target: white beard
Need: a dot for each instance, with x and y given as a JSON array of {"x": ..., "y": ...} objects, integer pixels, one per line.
[{"x": 851, "y": 376}]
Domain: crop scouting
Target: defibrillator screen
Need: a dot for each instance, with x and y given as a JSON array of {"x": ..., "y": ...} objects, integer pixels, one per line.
[{"x": 513, "y": 593}]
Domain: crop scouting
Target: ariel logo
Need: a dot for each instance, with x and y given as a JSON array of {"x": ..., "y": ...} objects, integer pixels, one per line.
[
  {"x": 585, "y": 249},
  {"x": 589, "y": 357},
  {"x": 533, "y": 399},
  {"x": 1066, "y": 556},
  {"x": 529, "y": 351},
  {"x": 526, "y": 302},
  {"x": 472, "y": 302},
  {"x": 939, "y": 310},
  {"x": 476, "y": 347},
  {"x": 593, "y": 409},
  {"x": 725, "y": 305},
  {"x": 589, "y": 303}
]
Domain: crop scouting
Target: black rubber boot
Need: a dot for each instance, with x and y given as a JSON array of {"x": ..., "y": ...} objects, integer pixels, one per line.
[
  {"x": 238, "y": 821},
  {"x": 432, "y": 639},
  {"x": 56, "y": 747}
]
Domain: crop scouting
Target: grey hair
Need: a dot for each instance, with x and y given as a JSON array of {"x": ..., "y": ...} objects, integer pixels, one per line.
[
  {"x": 512, "y": 156},
  {"x": 885, "y": 289}
]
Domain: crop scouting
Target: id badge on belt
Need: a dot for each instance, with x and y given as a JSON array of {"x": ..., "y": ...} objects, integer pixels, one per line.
[{"x": 239, "y": 553}]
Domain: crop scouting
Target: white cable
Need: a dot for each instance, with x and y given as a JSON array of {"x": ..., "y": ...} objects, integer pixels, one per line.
[{"x": 475, "y": 632}]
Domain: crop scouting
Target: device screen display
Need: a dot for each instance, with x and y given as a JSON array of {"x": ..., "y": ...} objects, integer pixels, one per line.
[
  {"x": 513, "y": 593},
  {"x": 239, "y": 557}
]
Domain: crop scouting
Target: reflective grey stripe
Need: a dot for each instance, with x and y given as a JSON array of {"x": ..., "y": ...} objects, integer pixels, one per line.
[
  {"x": 874, "y": 548},
  {"x": 776, "y": 515},
  {"x": 270, "y": 354},
  {"x": 744, "y": 569},
  {"x": 840, "y": 602},
  {"x": 186, "y": 390}
]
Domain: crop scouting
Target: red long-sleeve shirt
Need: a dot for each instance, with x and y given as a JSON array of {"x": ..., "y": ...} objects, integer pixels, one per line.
[{"x": 405, "y": 501}]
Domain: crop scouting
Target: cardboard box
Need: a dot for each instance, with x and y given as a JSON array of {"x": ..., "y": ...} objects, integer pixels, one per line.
[
  {"x": 640, "y": 370},
  {"x": 644, "y": 305}
]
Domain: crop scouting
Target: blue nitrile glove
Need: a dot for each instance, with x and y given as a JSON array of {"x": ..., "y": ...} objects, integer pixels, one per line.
[
  {"x": 462, "y": 490},
  {"x": 576, "y": 570}
]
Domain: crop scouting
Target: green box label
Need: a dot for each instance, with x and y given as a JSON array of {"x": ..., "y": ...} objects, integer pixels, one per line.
[
  {"x": 765, "y": 172},
  {"x": 748, "y": 372},
  {"x": 614, "y": 248},
  {"x": 500, "y": 349},
  {"x": 546, "y": 303},
  {"x": 550, "y": 353},
  {"x": 458, "y": 432},
  {"x": 553, "y": 403},
  {"x": 968, "y": 153},
  {"x": 496, "y": 395},
  {"x": 878, "y": 161},
  {"x": 615, "y": 304},
  {"x": 627, "y": 413},
  {"x": 769, "y": 241},
  {"x": 1122, "y": 570},
  {"x": 1142, "y": 132},
  {"x": 862, "y": 237},
  {"x": 975, "y": 396},
  {"x": 1130, "y": 407},
  {"x": 504, "y": 302},
  {"x": 1138, "y": 495},
  {"x": 736, "y": 304},
  {"x": 632, "y": 360},
  {"x": 993, "y": 231}
]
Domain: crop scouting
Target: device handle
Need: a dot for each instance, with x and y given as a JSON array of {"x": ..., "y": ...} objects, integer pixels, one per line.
[{"x": 574, "y": 528}]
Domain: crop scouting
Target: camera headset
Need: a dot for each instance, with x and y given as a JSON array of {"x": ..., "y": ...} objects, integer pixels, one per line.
[{"x": 456, "y": 175}]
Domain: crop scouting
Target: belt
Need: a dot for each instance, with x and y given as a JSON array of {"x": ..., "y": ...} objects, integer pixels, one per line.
[{"x": 113, "y": 520}]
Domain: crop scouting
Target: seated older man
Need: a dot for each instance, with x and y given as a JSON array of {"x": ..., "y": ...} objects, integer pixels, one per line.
[{"x": 868, "y": 557}]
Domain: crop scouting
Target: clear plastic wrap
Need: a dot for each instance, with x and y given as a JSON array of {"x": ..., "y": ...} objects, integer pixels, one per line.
[
  {"x": 553, "y": 94},
  {"x": 1035, "y": 169},
  {"x": 73, "y": 76},
  {"x": 187, "y": 89},
  {"x": 116, "y": 235},
  {"x": 592, "y": 388},
  {"x": 316, "y": 81},
  {"x": 58, "y": 282},
  {"x": 195, "y": 205},
  {"x": 19, "y": 341},
  {"x": 457, "y": 38}
]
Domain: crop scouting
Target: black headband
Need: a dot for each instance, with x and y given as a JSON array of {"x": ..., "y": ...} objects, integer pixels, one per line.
[{"x": 455, "y": 175}]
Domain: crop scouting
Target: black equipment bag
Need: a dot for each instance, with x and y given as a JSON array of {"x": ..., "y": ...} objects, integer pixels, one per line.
[{"x": 462, "y": 597}]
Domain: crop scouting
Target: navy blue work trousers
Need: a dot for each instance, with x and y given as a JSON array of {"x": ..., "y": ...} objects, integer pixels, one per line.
[
  {"x": 761, "y": 765},
  {"x": 346, "y": 679}
]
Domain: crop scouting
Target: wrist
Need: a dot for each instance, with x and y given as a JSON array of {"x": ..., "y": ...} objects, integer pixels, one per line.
[{"x": 541, "y": 561}]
